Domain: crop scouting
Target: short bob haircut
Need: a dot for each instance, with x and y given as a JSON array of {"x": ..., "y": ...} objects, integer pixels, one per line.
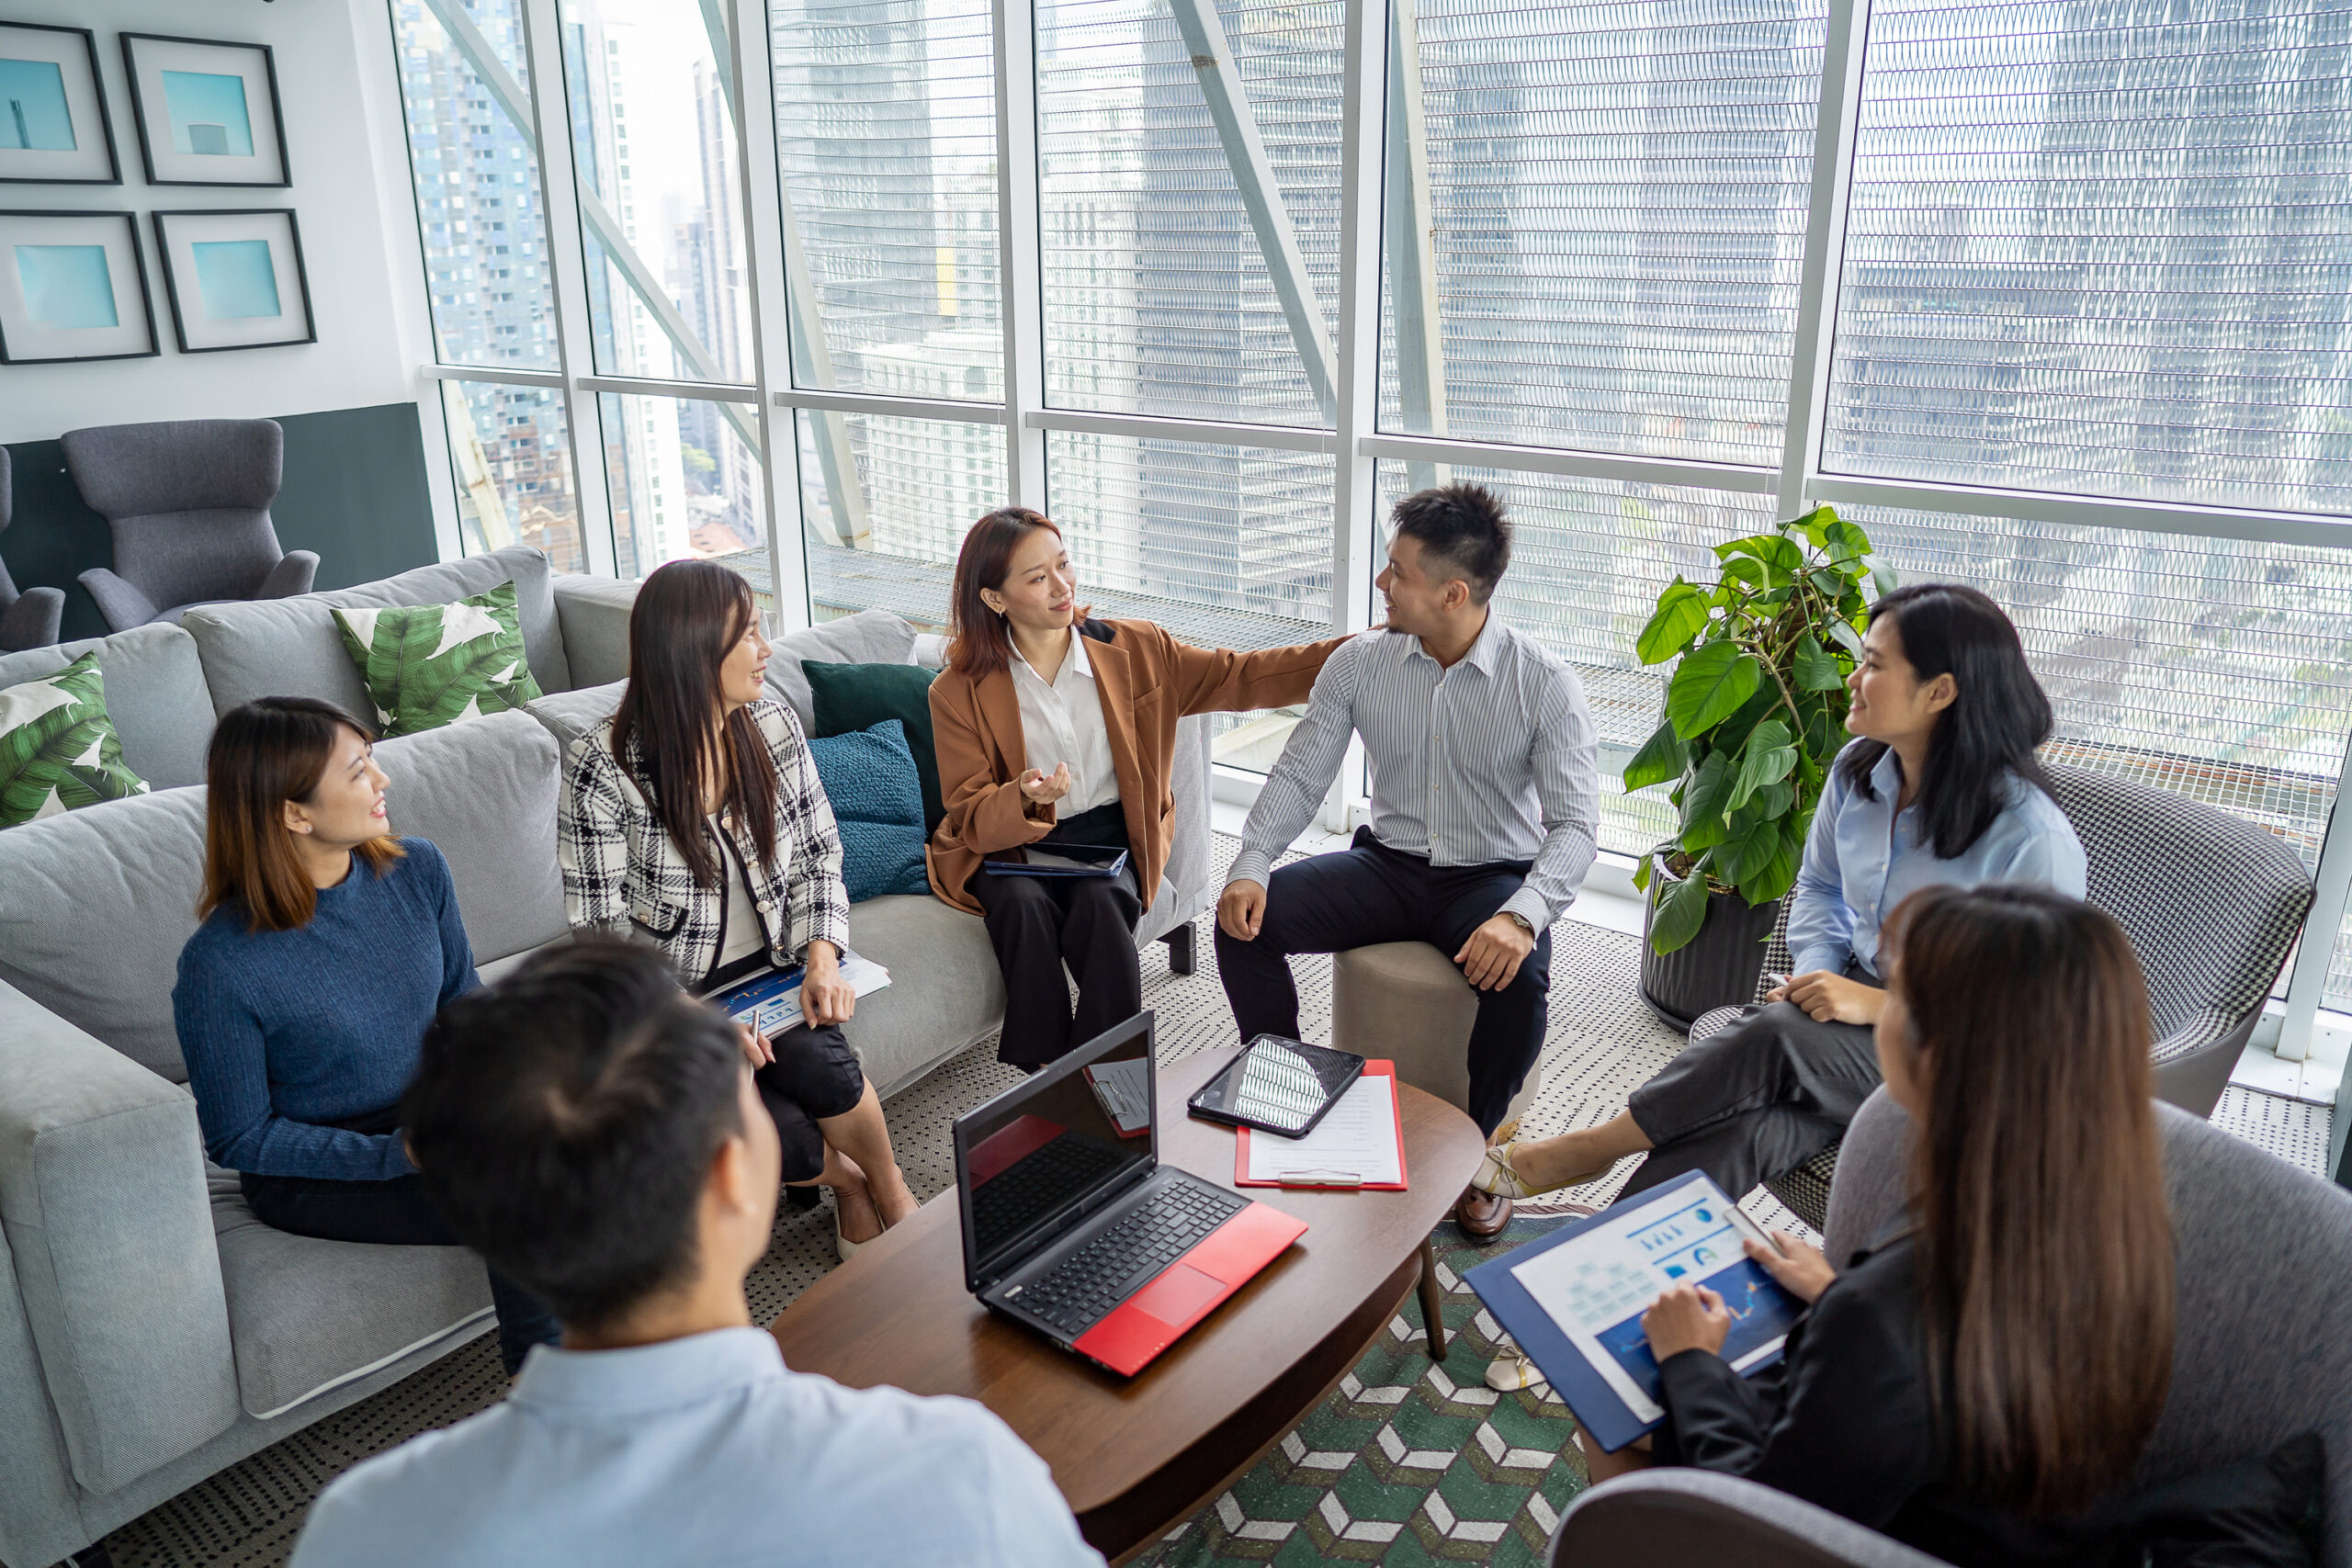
[
  {"x": 979, "y": 644},
  {"x": 564, "y": 1121},
  {"x": 266, "y": 753}
]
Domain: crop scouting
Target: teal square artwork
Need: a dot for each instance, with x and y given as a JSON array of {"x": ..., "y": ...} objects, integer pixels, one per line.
[
  {"x": 66, "y": 285},
  {"x": 236, "y": 279},
  {"x": 33, "y": 113},
  {"x": 207, "y": 114}
]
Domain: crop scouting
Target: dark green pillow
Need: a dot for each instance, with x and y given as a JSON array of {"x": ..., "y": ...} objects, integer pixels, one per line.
[{"x": 847, "y": 698}]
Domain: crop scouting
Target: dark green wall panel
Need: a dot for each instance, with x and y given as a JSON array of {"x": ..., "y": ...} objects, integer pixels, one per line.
[{"x": 354, "y": 490}]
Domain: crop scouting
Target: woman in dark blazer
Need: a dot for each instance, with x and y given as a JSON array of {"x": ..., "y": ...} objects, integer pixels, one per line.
[{"x": 1053, "y": 728}]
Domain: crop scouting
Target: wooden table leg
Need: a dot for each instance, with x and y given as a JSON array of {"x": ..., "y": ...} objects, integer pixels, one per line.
[{"x": 1431, "y": 1298}]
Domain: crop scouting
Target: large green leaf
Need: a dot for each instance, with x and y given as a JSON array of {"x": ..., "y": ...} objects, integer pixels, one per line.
[
  {"x": 1815, "y": 669},
  {"x": 1663, "y": 757},
  {"x": 1709, "y": 685},
  {"x": 1814, "y": 523},
  {"x": 1844, "y": 543},
  {"x": 1768, "y": 758},
  {"x": 1703, "y": 802},
  {"x": 1681, "y": 613},
  {"x": 1774, "y": 874},
  {"x": 1681, "y": 910},
  {"x": 1844, "y": 637}
]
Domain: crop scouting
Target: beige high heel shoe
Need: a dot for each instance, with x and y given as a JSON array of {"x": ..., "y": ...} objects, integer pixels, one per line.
[{"x": 1498, "y": 1175}]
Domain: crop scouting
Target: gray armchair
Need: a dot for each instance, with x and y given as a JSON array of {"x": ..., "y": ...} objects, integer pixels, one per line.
[
  {"x": 2211, "y": 904},
  {"x": 188, "y": 501},
  {"x": 28, "y": 619},
  {"x": 2261, "y": 1252}
]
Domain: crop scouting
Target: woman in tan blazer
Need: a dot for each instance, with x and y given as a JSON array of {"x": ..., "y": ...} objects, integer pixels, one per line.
[{"x": 1053, "y": 728}]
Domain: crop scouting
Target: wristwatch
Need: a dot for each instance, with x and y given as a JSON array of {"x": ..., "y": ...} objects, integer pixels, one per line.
[{"x": 1522, "y": 922}]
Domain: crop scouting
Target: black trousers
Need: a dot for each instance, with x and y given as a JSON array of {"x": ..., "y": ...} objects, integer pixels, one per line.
[
  {"x": 815, "y": 1075},
  {"x": 394, "y": 1213},
  {"x": 1368, "y": 894},
  {"x": 1756, "y": 1100},
  {"x": 1038, "y": 925}
]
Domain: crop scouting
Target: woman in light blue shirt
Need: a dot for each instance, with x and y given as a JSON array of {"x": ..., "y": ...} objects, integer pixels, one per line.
[{"x": 1940, "y": 787}]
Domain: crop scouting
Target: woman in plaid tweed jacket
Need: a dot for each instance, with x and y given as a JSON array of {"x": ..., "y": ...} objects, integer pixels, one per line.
[{"x": 744, "y": 877}]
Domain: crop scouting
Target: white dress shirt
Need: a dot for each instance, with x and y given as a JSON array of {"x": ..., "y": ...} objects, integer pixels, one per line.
[
  {"x": 1493, "y": 759},
  {"x": 701, "y": 1452},
  {"x": 1061, "y": 721}
]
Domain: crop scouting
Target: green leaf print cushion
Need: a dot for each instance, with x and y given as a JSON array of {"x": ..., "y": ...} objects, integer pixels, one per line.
[
  {"x": 58, "y": 748},
  {"x": 427, "y": 665}
]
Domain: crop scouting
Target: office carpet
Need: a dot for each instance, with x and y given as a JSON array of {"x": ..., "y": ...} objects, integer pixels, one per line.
[
  {"x": 1603, "y": 1043},
  {"x": 1410, "y": 1460}
]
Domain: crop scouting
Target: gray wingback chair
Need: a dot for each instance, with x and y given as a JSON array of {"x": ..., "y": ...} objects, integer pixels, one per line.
[
  {"x": 2212, "y": 905},
  {"x": 188, "y": 501},
  {"x": 2261, "y": 1252},
  {"x": 28, "y": 619}
]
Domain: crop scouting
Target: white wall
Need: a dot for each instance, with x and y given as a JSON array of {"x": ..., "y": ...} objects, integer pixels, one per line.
[{"x": 350, "y": 193}]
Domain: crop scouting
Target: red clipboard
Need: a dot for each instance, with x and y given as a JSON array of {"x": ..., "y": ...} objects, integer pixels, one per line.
[{"x": 1372, "y": 1070}]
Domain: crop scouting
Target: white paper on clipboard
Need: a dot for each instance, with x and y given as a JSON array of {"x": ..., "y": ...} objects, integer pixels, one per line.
[{"x": 1357, "y": 1138}]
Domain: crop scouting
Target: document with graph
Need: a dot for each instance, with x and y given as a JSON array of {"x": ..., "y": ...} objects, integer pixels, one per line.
[{"x": 1575, "y": 1299}]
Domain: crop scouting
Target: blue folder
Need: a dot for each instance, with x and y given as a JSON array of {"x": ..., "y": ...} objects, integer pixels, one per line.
[
  {"x": 1598, "y": 1408},
  {"x": 1108, "y": 860}
]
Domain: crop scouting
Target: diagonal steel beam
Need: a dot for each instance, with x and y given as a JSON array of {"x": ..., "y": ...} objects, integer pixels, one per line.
[
  {"x": 1262, "y": 198},
  {"x": 812, "y": 359},
  {"x": 1411, "y": 223},
  {"x": 516, "y": 101}
]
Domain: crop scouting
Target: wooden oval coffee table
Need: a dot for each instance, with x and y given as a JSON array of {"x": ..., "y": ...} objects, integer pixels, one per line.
[{"x": 1135, "y": 1456}]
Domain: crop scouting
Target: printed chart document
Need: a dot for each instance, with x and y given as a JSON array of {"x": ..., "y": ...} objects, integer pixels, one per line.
[
  {"x": 1355, "y": 1145},
  {"x": 771, "y": 1004},
  {"x": 1575, "y": 1299},
  {"x": 1124, "y": 1090}
]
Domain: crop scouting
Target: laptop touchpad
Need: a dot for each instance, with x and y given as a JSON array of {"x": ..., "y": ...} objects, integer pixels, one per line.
[{"x": 1177, "y": 1294}]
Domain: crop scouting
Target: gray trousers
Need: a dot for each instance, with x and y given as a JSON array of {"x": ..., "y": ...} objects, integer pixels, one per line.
[{"x": 1756, "y": 1100}]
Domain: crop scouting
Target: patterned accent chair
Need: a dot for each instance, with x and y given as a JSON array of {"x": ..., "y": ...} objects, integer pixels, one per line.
[{"x": 2212, "y": 905}]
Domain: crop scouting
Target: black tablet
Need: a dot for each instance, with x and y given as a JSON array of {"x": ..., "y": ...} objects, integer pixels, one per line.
[{"x": 1279, "y": 1084}]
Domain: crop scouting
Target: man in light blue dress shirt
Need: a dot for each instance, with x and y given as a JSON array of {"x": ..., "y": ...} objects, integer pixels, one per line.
[
  {"x": 1485, "y": 805},
  {"x": 596, "y": 1133}
]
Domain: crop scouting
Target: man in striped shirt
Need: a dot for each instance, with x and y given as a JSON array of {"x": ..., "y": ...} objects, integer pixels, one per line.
[{"x": 1485, "y": 801}]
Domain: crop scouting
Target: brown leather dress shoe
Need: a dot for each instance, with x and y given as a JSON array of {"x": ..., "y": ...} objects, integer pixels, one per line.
[{"x": 1481, "y": 1216}]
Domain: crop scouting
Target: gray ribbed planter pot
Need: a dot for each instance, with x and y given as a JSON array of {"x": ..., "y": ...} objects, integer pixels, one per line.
[{"x": 1717, "y": 968}]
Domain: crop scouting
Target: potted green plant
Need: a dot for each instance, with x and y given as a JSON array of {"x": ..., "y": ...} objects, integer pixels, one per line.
[{"x": 1755, "y": 714}]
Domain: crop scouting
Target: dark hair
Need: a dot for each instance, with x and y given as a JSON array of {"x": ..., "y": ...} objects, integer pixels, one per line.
[
  {"x": 688, "y": 616},
  {"x": 1462, "y": 526},
  {"x": 564, "y": 1121},
  {"x": 2045, "y": 1242},
  {"x": 265, "y": 753},
  {"x": 1989, "y": 733},
  {"x": 979, "y": 644}
]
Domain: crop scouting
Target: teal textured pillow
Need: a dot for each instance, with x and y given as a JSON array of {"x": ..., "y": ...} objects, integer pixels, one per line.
[
  {"x": 870, "y": 778},
  {"x": 850, "y": 698},
  {"x": 427, "y": 665},
  {"x": 58, "y": 748}
]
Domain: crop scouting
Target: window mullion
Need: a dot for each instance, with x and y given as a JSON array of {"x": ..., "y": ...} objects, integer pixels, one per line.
[
  {"x": 1824, "y": 245},
  {"x": 568, "y": 270},
  {"x": 771, "y": 330},
  {"x": 1020, "y": 284},
  {"x": 1363, "y": 128}
]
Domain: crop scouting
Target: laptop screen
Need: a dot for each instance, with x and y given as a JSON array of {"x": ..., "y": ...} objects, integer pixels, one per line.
[{"x": 1028, "y": 1159}]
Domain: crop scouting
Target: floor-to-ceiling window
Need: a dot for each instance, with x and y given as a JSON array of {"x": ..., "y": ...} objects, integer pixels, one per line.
[{"x": 2049, "y": 297}]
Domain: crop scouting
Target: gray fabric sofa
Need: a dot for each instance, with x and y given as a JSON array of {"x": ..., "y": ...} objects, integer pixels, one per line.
[{"x": 154, "y": 1331}]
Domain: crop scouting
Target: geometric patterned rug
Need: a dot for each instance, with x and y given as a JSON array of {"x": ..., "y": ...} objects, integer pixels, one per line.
[{"x": 1410, "y": 1461}]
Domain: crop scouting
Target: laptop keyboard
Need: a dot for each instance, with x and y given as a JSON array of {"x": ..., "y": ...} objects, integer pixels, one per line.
[
  {"x": 1046, "y": 1180},
  {"x": 1082, "y": 1289}
]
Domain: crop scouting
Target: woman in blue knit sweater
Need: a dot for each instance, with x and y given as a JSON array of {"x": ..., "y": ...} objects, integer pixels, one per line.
[{"x": 326, "y": 948}]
